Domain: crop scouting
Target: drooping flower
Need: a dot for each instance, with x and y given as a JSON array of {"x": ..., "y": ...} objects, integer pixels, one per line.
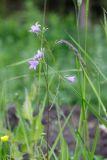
[
  {"x": 35, "y": 28},
  {"x": 33, "y": 64},
  {"x": 4, "y": 138},
  {"x": 71, "y": 78}
]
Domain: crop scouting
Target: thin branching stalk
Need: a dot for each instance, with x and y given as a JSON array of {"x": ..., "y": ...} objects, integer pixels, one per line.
[
  {"x": 48, "y": 116},
  {"x": 45, "y": 76},
  {"x": 84, "y": 78},
  {"x": 47, "y": 88}
]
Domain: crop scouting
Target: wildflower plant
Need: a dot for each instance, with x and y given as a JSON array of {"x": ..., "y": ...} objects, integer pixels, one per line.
[{"x": 34, "y": 63}]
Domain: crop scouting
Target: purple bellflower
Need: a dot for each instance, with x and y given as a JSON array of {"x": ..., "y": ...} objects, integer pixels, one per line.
[
  {"x": 35, "y": 28},
  {"x": 36, "y": 59},
  {"x": 33, "y": 64},
  {"x": 40, "y": 54}
]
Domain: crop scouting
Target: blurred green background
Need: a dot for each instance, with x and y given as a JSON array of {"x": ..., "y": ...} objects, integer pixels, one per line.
[{"x": 17, "y": 44}]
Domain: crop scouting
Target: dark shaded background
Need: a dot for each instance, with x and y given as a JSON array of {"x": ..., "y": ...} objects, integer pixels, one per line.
[{"x": 58, "y": 6}]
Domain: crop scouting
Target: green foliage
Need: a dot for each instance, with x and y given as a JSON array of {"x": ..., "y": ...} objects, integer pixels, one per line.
[
  {"x": 64, "y": 150},
  {"x": 27, "y": 108}
]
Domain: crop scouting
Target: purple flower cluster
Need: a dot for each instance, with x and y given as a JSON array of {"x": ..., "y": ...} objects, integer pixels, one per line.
[
  {"x": 36, "y": 59},
  {"x": 36, "y": 28}
]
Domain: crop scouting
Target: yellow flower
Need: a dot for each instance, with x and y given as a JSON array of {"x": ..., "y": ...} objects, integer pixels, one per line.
[{"x": 4, "y": 138}]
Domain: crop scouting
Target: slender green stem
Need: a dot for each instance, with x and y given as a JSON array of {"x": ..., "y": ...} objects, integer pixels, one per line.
[
  {"x": 47, "y": 88},
  {"x": 84, "y": 81}
]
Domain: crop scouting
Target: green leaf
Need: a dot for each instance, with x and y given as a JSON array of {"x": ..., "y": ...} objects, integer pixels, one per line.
[
  {"x": 37, "y": 128},
  {"x": 27, "y": 107},
  {"x": 64, "y": 150}
]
